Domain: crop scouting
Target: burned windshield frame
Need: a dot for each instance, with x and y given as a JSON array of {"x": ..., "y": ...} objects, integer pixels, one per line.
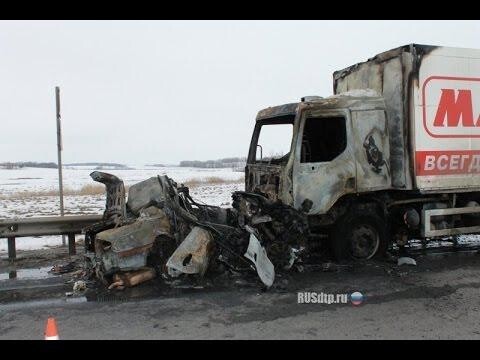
[{"x": 288, "y": 119}]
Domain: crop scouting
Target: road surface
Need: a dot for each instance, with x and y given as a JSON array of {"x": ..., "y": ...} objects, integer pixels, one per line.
[{"x": 438, "y": 299}]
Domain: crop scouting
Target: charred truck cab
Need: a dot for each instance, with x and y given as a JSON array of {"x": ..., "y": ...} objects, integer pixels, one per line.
[{"x": 393, "y": 155}]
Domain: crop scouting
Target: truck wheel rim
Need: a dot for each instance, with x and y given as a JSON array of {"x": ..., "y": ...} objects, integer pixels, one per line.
[{"x": 365, "y": 241}]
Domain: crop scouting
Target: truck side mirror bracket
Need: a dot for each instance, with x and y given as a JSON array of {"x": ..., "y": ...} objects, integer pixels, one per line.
[{"x": 261, "y": 151}]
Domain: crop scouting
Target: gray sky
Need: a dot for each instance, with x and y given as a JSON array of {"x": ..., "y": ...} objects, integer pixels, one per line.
[{"x": 159, "y": 92}]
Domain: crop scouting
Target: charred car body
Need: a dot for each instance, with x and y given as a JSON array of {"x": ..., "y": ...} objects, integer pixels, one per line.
[{"x": 161, "y": 230}]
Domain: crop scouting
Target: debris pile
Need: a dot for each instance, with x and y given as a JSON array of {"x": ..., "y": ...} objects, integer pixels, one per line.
[{"x": 162, "y": 232}]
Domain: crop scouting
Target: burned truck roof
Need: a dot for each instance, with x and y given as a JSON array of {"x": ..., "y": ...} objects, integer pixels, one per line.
[
  {"x": 274, "y": 111},
  {"x": 355, "y": 100},
  {"x": 415, "y": 49},
  {"x": 290, "y": 109}
]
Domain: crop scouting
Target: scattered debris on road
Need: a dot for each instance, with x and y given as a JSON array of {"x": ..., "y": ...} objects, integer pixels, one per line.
[
  {"x": 129, "y": 279},
  {"x": 59, "y": 269},
  {"x": 79, "y": 286},
  {"x": 406, "y": 261}
]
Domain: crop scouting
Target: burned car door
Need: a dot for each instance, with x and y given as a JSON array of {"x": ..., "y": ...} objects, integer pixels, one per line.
[{"x": 324, "y": 167}]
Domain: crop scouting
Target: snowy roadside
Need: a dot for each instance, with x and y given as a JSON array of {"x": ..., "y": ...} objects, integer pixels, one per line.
[
  {"x": 218, "y": 195},
  {"x": 11, "y": 206}
]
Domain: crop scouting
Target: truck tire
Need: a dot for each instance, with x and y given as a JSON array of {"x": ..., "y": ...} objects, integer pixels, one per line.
[{"x": 359, "y": 235}]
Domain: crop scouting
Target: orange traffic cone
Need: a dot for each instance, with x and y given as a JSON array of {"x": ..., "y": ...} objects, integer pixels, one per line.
[{"x": 51, "y": 331}]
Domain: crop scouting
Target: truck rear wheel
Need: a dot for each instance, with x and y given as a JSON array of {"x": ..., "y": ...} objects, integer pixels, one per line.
[{"x": 359, "y": 235}]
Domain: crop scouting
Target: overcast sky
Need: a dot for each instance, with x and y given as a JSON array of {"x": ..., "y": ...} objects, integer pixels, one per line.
[{"x": 141, "y": 92}]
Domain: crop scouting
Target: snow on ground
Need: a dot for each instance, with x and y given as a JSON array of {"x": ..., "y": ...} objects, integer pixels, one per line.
[
  {"x": 36, "y": 179},
  {"x": 74, "y": 177}
]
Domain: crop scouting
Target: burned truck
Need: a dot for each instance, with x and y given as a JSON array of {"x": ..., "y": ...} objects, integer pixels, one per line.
[{"x": 393, "y": 155}]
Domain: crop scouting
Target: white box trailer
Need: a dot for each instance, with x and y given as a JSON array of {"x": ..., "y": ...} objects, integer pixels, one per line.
[
  {"x": 432, "y": 97},
  {"x": 394, "y": 154}
]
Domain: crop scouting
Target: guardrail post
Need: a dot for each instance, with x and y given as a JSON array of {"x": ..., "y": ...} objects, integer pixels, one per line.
[
  {"x": 12, "y": 251},
  {"x": 71, "y": 244}
]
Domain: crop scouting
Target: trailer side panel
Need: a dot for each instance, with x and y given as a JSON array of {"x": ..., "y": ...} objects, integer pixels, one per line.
[{"x": 447, "y": 121}]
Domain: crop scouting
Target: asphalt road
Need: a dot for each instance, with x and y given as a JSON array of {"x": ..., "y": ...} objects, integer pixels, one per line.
[{"x": 438, "y": 299}]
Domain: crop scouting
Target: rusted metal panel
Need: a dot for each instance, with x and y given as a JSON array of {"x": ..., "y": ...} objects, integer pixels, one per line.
[
  {"x": 115, "y": 202},
  {"x": 126, "y": 247},
  {"x": 147, "y": 192},
  {"x": 193, "y": 254}
]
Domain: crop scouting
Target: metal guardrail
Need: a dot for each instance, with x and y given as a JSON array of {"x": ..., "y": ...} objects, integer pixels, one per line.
[{"x": 41, "y": 226}]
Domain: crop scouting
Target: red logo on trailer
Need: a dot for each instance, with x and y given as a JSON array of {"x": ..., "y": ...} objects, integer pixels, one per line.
[
  {"x": 447, "y": 162},
  {"x": 449, "y": 108}
]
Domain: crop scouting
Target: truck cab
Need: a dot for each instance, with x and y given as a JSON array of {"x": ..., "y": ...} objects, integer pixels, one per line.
[{"x": 312, "y": 153}]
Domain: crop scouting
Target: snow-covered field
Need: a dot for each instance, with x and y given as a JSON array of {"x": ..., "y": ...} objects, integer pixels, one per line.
[
  {"x": 36, "y": 179},
  {"x": 14, "y": 204}
]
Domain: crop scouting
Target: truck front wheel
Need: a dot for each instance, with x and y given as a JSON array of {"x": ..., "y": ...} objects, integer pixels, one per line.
[{"x": 359, "y": 235}]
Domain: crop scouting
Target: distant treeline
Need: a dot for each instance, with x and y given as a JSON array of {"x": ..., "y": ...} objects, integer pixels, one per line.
[
  {"x": 233, "y": 162},
  {"x": 33, "y": 164},
  {"x": 97, "y": 164},
  {"x": 101, "y": 165},
  {"x": 52, "y": 165}
]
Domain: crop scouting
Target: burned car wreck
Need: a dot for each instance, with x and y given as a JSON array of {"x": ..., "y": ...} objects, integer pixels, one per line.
[{"x": 161, "y": 231}]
